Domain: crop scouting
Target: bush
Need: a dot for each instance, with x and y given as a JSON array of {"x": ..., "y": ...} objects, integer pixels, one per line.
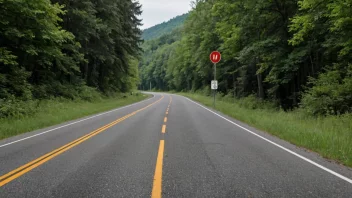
[
  {"x": 331, "y": 93},
  {"x": 205, "y": 91},
  {"x": 228, "y": 98},
  {"x": 89, "y": 94},
  {"x": 17, "y": 108},
  {"x": 72, "y": 92},
  {"x": 252, "y": 102}
]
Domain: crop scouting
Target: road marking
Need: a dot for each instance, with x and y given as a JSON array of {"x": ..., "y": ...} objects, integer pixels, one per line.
[
  {"x": 279, "y": 146},
  {"x": 158, "y": 175},
  {"x": 163, "y": 130},
  {"x": 51, "y": 130},
  {"x": 41, "y": 160}
]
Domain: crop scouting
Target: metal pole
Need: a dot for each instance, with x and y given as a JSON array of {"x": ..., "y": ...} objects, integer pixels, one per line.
[
  {"x": 214, "y": 89},
  {"x": 150, "y": 85}
]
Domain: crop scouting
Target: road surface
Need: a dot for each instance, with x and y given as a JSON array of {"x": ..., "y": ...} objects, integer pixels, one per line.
[{"x": 167, "y": 146}]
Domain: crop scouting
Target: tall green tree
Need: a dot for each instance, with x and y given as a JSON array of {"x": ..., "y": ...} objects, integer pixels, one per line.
[{"x": 35, "y": 50}]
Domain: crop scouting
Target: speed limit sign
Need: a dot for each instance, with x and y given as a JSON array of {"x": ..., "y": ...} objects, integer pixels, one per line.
[
  {"x": 214, "y": 84},
  {"x": 215, "y": 57}
]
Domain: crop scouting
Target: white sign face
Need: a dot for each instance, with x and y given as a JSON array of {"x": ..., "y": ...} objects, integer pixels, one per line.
[{"x": 214, "y": 84}]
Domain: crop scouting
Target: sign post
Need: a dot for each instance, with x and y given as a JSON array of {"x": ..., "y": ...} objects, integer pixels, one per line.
[{"x": 215, "y": 57}]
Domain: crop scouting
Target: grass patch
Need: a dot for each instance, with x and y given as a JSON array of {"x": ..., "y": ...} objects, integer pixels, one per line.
[
  {"x": 329, "y": 136},
  {"x": 56, "y": 111}
]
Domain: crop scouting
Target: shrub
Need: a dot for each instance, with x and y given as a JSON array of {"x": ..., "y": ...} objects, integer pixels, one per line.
[
  {"x": 228, "y": 98},
  {"x": 17, "y": 108},
  {"x": 252, "y": 102},
  {"x": 204, "y": 91},
  {"x": 89, "y": 94},
  {"x": 331, "y": 92}
]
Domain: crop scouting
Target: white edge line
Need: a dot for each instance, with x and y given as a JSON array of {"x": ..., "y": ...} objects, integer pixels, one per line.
[
  {"x": 42, "y": 133},
  {"x": 283, "y": 148}
]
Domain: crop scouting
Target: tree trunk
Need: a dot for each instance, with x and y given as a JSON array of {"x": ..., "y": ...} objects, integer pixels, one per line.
[
  {"x": 294, "y": 93},
  {"x": 86, "y": 67},
  {"x": 260, "y": 86},
  {"x": 234, "y": 86},
  {"x": 312, "y": 64}
]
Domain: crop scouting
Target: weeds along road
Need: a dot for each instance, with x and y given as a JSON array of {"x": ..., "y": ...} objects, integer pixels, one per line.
[{"x": 167, "y": 146}]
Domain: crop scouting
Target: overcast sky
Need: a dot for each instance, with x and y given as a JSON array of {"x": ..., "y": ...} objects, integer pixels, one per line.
[{"x": 158, "y": 11}]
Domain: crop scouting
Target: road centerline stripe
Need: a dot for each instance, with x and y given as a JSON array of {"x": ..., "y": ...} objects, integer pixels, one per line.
[
  {"x": 12, "y": 175},
  {"x": 163, "y": 129},
  {"x": 157, "y": 183}
]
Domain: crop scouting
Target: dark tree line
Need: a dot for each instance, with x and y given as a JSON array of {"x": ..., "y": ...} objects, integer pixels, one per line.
[
  {"x": 66, "y": 47},
  {"x": 292, "y": 52}
]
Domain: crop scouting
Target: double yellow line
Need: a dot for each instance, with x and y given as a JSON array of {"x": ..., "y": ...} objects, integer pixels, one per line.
[
  {"x": 158, "y": 175},
  {"x": 41, "y": 160}
]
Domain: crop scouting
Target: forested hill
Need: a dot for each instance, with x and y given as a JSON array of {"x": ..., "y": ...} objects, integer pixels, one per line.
[
  {"x": 289, "y": 52},
  {"x": 51, "y": 49},
  {"x": 164, "y": 28}
]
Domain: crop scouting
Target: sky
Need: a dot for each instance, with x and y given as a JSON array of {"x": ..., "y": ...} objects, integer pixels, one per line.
[{"x": 158, "y": 11}]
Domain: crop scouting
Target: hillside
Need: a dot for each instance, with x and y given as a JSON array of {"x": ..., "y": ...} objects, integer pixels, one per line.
[{"x": 164, "y": 28}]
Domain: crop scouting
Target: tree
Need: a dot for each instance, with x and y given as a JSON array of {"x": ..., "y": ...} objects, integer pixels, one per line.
[{"x": 37, "y": 51}]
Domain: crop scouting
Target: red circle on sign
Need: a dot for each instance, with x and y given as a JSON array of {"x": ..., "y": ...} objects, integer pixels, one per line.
[{"x": 215, "y": 57}]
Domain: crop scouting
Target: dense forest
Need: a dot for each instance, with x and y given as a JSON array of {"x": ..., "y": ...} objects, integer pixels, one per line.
[
  {"x": 294, "y": 53},
  {"x": 67, "y": 49},
  {"x": 164, "y": 28}
]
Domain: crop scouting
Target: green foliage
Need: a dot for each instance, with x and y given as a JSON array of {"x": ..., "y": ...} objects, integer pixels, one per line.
[
  {"x": 252, "y": 102},
  {"x": 156, "y": 55},
  {"x": 69, "y": 49},
  {"x": 15, "y": 108},
  {"x": 7, "y": 58},
  {"x": 34, "y": 46},
  {"x": 163, "y": 28},
  {"x": 270, "y": 50},
  {"x": 330, "y": 92}
]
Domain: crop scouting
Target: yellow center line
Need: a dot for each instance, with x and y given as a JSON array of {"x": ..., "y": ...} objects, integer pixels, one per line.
[
  {"x": 163, "y": 130},
  {"x": 158, "y": 175},
  {"x": 12, "y": 175}
]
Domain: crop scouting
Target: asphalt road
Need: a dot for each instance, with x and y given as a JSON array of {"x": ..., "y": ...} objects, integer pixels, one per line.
[{"x": 167, "y": 146}]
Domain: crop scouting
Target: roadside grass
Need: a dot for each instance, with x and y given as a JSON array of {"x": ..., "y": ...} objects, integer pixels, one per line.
[
  {"x": 329, "y": 136},
  {"x": 52, "y": 112}
]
